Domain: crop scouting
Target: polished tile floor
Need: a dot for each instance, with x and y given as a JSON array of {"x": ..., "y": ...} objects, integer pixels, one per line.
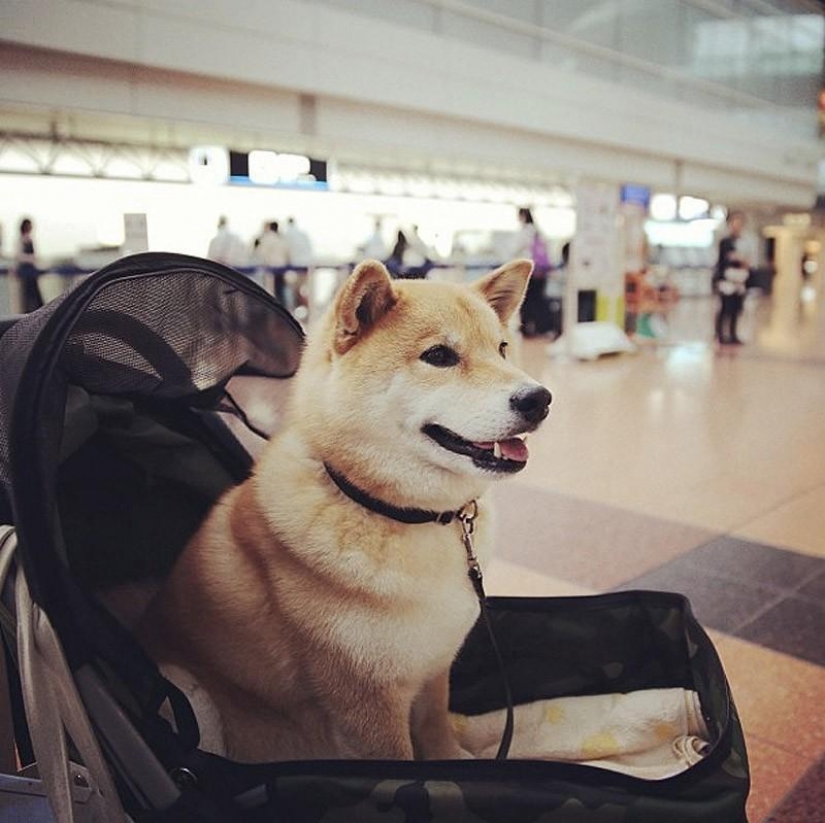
[{"x": 691, "y": 468}]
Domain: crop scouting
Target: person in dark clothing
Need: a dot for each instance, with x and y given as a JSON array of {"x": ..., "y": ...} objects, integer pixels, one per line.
[
  {"x": 26, "y": 268},
  {"x": 729, "y": 280},
  {"x": 400, "y": 247},
  {"x": 395, "y": 262},
  {"x": 535, "y": 309}
]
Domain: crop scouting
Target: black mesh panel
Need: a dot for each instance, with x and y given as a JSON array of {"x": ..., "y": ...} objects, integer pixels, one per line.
[{"x": 165, "y": 331}]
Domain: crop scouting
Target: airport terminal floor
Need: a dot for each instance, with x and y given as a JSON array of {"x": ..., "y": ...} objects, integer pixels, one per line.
[{"x": 698, "y": 469}]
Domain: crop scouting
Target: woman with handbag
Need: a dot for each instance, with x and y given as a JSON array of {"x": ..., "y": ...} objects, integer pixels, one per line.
[
  {"x": 729, "y": 281},
  {"x": 529, "y": 242}
]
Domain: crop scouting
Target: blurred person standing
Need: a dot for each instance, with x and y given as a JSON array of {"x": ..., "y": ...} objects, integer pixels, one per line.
[
  {"x": 25, "y": 268},
  {"x": 529, "y": 243},
  {"x": 419, "y": 258},
  {"x": 272, "y": 251},
  {"x": 226, "y": 247},
  {"x": 729, "y": 279},
  {"x": 409, "y": 258},
  {"x": 374, "y": 247},
  {"x": 299, "y": 245}
]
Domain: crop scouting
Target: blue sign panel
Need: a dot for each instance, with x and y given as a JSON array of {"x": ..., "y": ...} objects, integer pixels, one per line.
[{"x": 632, "y": 193}]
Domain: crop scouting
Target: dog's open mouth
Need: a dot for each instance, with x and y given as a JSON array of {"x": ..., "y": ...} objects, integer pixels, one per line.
[{"x": 508, "y": 455}]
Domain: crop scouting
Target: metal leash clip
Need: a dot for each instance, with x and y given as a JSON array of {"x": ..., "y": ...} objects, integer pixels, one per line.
[{"x": 466, "y": 518}]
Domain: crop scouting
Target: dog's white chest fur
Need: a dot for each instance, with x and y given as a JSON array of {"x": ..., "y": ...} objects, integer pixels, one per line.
[
  {"x": 396, "y": 598},
  {"x": 424, "y": 624}
]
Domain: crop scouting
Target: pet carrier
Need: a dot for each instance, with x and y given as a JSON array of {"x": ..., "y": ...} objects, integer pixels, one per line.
[{"x": 116, "y": 436}]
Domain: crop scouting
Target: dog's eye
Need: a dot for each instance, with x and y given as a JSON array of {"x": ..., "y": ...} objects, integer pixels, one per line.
[
  {"x": 441, "y": 356},
  {"x": 502, "y": 350}
]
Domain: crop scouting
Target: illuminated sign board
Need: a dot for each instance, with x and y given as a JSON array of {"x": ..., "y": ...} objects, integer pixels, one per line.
[
  {"x": 264, "y": 167},
  {"x": 640, "y": 195}
]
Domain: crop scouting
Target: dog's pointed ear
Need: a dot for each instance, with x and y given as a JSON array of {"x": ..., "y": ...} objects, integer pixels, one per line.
[
  {"x": 504, "y": 288},
  {"x": 366, "y": 296}
]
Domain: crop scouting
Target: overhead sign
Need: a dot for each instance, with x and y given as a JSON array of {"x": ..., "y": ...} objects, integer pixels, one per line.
[
  {"x": 631, "y": 193},
  {"x": 265, "y": 167},
  {"x": 269, "y": 167}
]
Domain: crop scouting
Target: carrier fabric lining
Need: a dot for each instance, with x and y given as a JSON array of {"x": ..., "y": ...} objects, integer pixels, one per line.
[{"x": 651, "y": 734}]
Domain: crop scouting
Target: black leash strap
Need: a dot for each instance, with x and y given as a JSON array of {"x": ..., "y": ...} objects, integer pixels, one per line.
[{"x": 466, "y": 518}]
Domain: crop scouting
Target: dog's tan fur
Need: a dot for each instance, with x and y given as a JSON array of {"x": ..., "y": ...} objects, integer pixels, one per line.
[{"x": 317, "y": 627}]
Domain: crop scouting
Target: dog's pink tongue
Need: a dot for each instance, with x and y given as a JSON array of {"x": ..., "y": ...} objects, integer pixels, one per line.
[{"x": 514, "y": 449}]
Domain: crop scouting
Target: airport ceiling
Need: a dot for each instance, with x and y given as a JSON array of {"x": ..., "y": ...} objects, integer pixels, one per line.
[{"x": 586, "y": 30}]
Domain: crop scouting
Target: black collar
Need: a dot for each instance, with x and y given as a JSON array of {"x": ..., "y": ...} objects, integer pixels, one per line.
[{"x": 387, "y": 509}]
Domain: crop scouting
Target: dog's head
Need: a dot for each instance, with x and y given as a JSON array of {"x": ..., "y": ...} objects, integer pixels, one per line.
[{"x": 407, "y": 386}]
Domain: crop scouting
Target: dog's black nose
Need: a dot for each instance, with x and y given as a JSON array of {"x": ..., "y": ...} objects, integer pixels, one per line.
[{"x": 532, "y": 404}]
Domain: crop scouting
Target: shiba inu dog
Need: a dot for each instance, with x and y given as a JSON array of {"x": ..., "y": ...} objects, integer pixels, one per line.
[{"x": 322, "y": 602}]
